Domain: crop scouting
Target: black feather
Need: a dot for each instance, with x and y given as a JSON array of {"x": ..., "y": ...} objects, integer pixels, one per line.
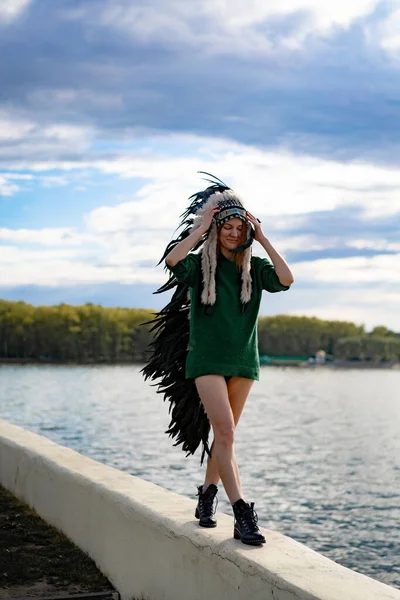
[{"x": 189, "y": 425}]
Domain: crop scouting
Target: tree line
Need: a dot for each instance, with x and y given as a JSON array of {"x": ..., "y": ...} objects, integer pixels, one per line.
[
  {"x": 91, "y": 333},
  {"x": 285, "y": 335},
  {"x": 87, "y": 333}
]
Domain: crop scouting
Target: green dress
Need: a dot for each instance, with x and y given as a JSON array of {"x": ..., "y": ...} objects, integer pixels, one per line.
[{"x": 225, "y": 342}]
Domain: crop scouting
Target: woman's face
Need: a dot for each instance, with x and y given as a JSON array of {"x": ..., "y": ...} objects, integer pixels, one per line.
[{"x": 231, "y": 233}]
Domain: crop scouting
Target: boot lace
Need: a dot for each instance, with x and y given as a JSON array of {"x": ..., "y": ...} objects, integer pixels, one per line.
[
  {"x": 206, "y": 503},
  {"x": 250, "y": 519}
]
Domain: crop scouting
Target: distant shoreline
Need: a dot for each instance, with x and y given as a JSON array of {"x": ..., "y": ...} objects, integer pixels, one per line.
[
  {"x": 275, "y": 363},
  {"x": 37, "y": 361}
]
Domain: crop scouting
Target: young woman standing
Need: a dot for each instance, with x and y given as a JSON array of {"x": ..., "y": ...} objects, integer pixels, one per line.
[{"x": 226, "y": 284}]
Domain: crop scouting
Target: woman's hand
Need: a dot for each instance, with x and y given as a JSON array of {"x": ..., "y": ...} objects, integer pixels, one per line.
[
  {"x": 282, "y": 269},
  {"x": 207, "y": 218},
  {"x": 258, "y": 232}
]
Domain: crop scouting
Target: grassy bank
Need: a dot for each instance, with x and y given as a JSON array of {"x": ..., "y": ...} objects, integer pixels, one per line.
[{"x": 36, "y": 560}]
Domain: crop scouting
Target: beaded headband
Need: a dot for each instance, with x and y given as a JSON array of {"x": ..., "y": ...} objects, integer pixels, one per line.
[{"x": 228, "y": 213}]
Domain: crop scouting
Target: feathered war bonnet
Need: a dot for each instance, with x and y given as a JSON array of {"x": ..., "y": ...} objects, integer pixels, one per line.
[
  {"x": 167, "y": 352},
  {"x": 230, "y": 206}
]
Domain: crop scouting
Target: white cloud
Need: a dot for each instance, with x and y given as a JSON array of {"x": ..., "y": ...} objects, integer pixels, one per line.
[
  {"x": 69, "y": 134},
  {"x": 363, "y": 290},
  {"x": 57, "y": 273},
  {"x": 373, "y": 270},
  {"x": 117, "y": 240},
  {"x": 376, "y": 244},
  {"x": 23, "y": 258},
  {"x": 12, "y": 183},
  {"x": 275, "y": 182},
  {"x": 323, "y": 14},
  {"x": 11, "y": 9},
  {"x": 12, "y": 129},
  {"x": 45, "y": 237},
  {"x": 71, "y": 97},
  {"x": 27, "y": 141},
  {"x": 7, "y": 187},
  {"x": 156, "y": 211},
  {"x": 272, "y": 184},
  {"x": 388, "y": 32},
  {"x": 371, "y": 299},
  {"x": 365, "y": 306},
  {"x": 65, "y": 267},
  {"x": 53, "y": 181},
  {"x": 231, "y": 24}
]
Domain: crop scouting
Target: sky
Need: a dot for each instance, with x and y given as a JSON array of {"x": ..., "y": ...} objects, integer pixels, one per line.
[{"x": 109, "y": 108}]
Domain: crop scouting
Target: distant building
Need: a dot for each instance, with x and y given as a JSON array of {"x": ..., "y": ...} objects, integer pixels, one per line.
[{"x": 318, "y": 359}]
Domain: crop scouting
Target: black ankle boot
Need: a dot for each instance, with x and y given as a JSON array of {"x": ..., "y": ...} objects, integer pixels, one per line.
[
  {"x": 205, "y": 509},
  {"x": 245, "y": 526}
]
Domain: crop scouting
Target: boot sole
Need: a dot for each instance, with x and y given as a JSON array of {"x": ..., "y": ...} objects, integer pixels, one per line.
[
  {"x": 209, "y": 525},
  {"x": 237, "y": 536}
]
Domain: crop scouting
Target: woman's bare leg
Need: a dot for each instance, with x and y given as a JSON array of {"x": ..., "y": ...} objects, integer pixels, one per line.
[
  {"x": 238, "y": 391},
  {"x": 213, "y": 394}
]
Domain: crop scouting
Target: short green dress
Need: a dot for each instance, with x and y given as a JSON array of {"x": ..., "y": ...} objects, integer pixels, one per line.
[{"x": 225, "y": 342}]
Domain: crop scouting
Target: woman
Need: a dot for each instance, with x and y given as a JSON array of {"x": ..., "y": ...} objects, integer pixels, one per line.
[{"x": 221, "y": 358}]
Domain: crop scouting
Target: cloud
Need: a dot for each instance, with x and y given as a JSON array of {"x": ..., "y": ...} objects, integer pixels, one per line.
[
  {"x": 46, "y": 237},
  {"x": 200, "y": 69},
  {"x": 13, "y": 183},
  {"x": 324, "y": 209},
  {"x": 354, "y": 270},
  {"x": 388, "y": 32},
  {"x": 339, "y": 233},
  {"x": 57, "y": 268},
  {"x": 324, "y": 217},
  {"x": 362, "y": 306},
  {"x": 231, "y": 27},
  {"x": 315, "y": 186},
  {"x": 24, "y": 142},
  {"x": 12, "y": 256},
  {"x": 13, "y": 130},
  {"x": 294, "y": 104},
  {"x": 323, "y": 14},
  {"x": 105, "y": 294},
  {"x": 7, "y": 187},
  {"x": 12, "y": 9}
]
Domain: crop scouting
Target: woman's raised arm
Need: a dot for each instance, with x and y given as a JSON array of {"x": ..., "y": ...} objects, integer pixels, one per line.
[{"x": 181, "y": 250}]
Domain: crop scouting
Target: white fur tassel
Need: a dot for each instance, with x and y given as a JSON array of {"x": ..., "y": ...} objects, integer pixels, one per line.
[
  {"x": 212, "y": 201},
  {"x": 209, "y": 256},
  {"x": 245, "y": 293},
  {"x": 209, "y": 266}
]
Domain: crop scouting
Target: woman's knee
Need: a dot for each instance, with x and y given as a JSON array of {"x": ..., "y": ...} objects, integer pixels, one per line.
[{"x": 224, "y": 433}]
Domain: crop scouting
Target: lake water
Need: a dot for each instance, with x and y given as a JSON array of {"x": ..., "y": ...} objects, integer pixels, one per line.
[{"x": 318, "y": 449}]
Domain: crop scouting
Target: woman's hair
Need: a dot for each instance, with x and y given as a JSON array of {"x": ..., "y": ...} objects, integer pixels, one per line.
[{"x": 238, "y": 257}]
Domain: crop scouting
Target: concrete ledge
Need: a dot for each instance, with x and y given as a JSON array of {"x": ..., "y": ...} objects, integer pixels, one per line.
[{"x": 146, "y": 540}]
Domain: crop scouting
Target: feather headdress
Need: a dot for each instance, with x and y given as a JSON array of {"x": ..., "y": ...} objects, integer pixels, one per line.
[{"x": 189, "y": 423}]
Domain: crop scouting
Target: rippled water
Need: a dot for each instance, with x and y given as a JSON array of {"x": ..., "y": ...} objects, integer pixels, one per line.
[{"x": 318, "y": 450}]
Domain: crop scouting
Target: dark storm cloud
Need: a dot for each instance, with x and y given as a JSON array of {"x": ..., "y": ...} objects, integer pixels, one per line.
[{"x": 337, "y": 97}]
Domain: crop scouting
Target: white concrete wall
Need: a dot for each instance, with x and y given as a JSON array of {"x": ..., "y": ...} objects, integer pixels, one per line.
[{"x": 146, "y": 540}]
